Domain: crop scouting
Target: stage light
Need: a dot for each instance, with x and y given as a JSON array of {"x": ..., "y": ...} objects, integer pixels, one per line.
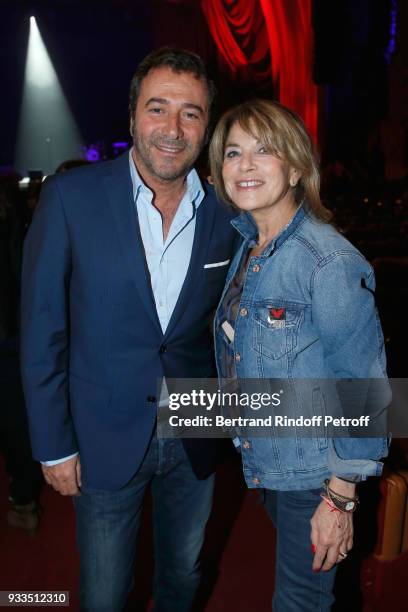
[
  {"x": 48, "y": 134},
  {"x": 39, "y": 69}
]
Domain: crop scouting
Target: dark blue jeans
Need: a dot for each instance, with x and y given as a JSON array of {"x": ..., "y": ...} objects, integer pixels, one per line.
[
  {"x": 297, "y": 587},
  {"x": 108, "y": 522}
]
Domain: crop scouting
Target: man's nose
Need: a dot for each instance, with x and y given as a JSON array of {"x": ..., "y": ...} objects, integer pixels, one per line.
[{"x": 173, "y": 127}]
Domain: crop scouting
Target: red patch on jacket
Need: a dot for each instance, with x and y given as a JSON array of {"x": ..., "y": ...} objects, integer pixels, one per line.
[{"x": 277, "y": 314}]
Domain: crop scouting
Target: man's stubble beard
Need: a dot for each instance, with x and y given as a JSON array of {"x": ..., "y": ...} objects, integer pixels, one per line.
[{"x": 173, "y": 172}]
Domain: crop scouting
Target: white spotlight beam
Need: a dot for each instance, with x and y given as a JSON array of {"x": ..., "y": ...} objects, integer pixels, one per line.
[{"x": 47, "y": 132}]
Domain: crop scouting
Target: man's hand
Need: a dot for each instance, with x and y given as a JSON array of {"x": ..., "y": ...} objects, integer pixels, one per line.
[{"x": 64, "y": 477}]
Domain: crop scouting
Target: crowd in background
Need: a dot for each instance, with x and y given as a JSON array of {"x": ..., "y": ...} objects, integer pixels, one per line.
[{"x": 18, "y": 201}]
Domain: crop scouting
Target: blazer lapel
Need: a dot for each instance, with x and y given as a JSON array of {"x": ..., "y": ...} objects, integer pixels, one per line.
[
  {"x": 194, "y": 277},
  {"x": 118, "y": 186}
]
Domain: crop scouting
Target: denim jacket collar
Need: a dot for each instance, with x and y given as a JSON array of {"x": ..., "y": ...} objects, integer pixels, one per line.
[{"x": 246, "y": 226}]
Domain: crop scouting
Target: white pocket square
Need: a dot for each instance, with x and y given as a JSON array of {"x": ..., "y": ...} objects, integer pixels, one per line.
[{"x": 218, "y": 264}]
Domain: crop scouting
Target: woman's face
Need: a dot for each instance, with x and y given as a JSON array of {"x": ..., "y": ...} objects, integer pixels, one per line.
[{"x": 254, "y": 179}]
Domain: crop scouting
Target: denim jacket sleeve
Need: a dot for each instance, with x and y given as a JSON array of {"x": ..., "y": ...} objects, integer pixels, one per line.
[{"x": 344, "y": 313}]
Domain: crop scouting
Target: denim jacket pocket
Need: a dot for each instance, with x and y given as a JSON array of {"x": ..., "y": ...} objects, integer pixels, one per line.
[{"x": 275, "y": 326}]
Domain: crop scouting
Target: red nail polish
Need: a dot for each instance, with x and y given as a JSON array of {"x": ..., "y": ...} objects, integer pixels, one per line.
[{"x": 313, "y": 548}]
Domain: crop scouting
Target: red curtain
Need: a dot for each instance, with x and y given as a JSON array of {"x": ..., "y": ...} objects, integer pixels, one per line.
[
  {"x": 246, "y": 31},
  {"x": 238, "y": 29}
]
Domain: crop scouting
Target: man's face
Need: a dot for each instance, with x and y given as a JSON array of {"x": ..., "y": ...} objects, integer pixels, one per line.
[{"x": 169, "y": 124}]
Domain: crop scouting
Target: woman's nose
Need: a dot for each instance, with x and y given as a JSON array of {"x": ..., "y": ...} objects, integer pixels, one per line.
[{"x": 247, "y": 162}]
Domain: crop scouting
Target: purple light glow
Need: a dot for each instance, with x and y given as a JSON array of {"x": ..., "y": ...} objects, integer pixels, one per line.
[
  {"x": 393, "y": 30},
  {"x": 92, "y": 154},
  {"x": 119, "y": 147}
]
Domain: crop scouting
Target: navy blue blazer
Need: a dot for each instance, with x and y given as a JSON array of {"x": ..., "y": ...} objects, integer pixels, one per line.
[{"x": 92, "y": 346}]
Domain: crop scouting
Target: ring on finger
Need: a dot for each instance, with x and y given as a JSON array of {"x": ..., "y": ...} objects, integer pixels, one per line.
[{"x": 342, "y": 554}]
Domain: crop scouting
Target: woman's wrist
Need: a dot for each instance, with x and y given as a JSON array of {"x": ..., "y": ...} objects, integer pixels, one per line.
[{"x": 342, "y": 487}]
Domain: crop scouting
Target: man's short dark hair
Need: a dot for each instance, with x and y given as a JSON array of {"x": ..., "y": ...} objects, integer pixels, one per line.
[{"x": 179, "y": 60}]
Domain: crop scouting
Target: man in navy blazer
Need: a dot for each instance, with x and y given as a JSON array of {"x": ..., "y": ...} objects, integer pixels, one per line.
[{"x": 124, "y": 264}]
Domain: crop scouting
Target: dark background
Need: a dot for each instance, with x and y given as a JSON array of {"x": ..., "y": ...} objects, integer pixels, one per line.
[{"x": 96, "y": 45}]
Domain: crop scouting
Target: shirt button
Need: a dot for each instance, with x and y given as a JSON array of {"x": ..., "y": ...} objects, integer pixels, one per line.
[
  {"x": 237, "y": 357},
  {"x": 246, "y": 444},
  {"x": 256, "y": 268},
  {"x": 256, "y": 481},
  {"x": 162, "y": 349},
  {"x": 243, "y": 312}
]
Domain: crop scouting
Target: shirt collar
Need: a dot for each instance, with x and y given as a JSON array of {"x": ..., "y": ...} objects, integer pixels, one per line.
[
  {"x": 194, "y": 192},
  {"x": 246, "y": 226}
]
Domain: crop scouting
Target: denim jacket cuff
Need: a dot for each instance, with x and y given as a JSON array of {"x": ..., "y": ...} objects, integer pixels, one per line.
[{"x": 351, "y": 468}]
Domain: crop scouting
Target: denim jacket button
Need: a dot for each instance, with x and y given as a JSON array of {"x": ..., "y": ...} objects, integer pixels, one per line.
[
  {"x": 246, "y": 444},
  {"x": 237, "y": 357},
  {"x": 256, "y": 268},
  {"x": 243, "y": 312},
  {"x": 256, "y": 481}
]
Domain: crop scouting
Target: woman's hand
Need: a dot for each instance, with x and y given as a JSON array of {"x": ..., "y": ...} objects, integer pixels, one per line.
[{"x": 332, "y": 531}]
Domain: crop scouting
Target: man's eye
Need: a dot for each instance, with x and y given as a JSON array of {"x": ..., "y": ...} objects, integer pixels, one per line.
[
  {"x": 155, "y": 110},
  {"x": 191, "y": 116}
]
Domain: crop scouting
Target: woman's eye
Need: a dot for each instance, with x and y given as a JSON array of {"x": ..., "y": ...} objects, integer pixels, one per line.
[
  {"x": 262, "y": 149},
  {"x": 230, "y": 154}
]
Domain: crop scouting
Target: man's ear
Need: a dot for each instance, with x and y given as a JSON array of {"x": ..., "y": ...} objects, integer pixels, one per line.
[{"x": 131, "y": 127}]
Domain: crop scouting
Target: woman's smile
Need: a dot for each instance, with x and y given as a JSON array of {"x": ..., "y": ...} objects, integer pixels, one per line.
[{"x": 249, "y": 184}]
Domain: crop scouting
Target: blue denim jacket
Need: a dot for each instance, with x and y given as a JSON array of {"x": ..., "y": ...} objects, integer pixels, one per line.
[{"x": 331, "y": 331}]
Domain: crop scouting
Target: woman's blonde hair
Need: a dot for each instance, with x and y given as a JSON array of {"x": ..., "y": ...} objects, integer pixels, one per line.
[{"x": 284, "y": 135}]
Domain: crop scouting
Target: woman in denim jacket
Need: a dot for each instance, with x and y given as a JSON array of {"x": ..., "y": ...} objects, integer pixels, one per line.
[{"x": 298, "y": 305}]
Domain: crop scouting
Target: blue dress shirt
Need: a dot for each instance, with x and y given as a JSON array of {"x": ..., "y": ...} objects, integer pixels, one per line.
[{"x": 167, "y": 260}]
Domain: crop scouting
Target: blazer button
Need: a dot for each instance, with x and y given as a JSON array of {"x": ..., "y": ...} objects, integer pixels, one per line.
[
  {"x": 162, "y": 349},
  {"x": 151, "y": 399}
]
